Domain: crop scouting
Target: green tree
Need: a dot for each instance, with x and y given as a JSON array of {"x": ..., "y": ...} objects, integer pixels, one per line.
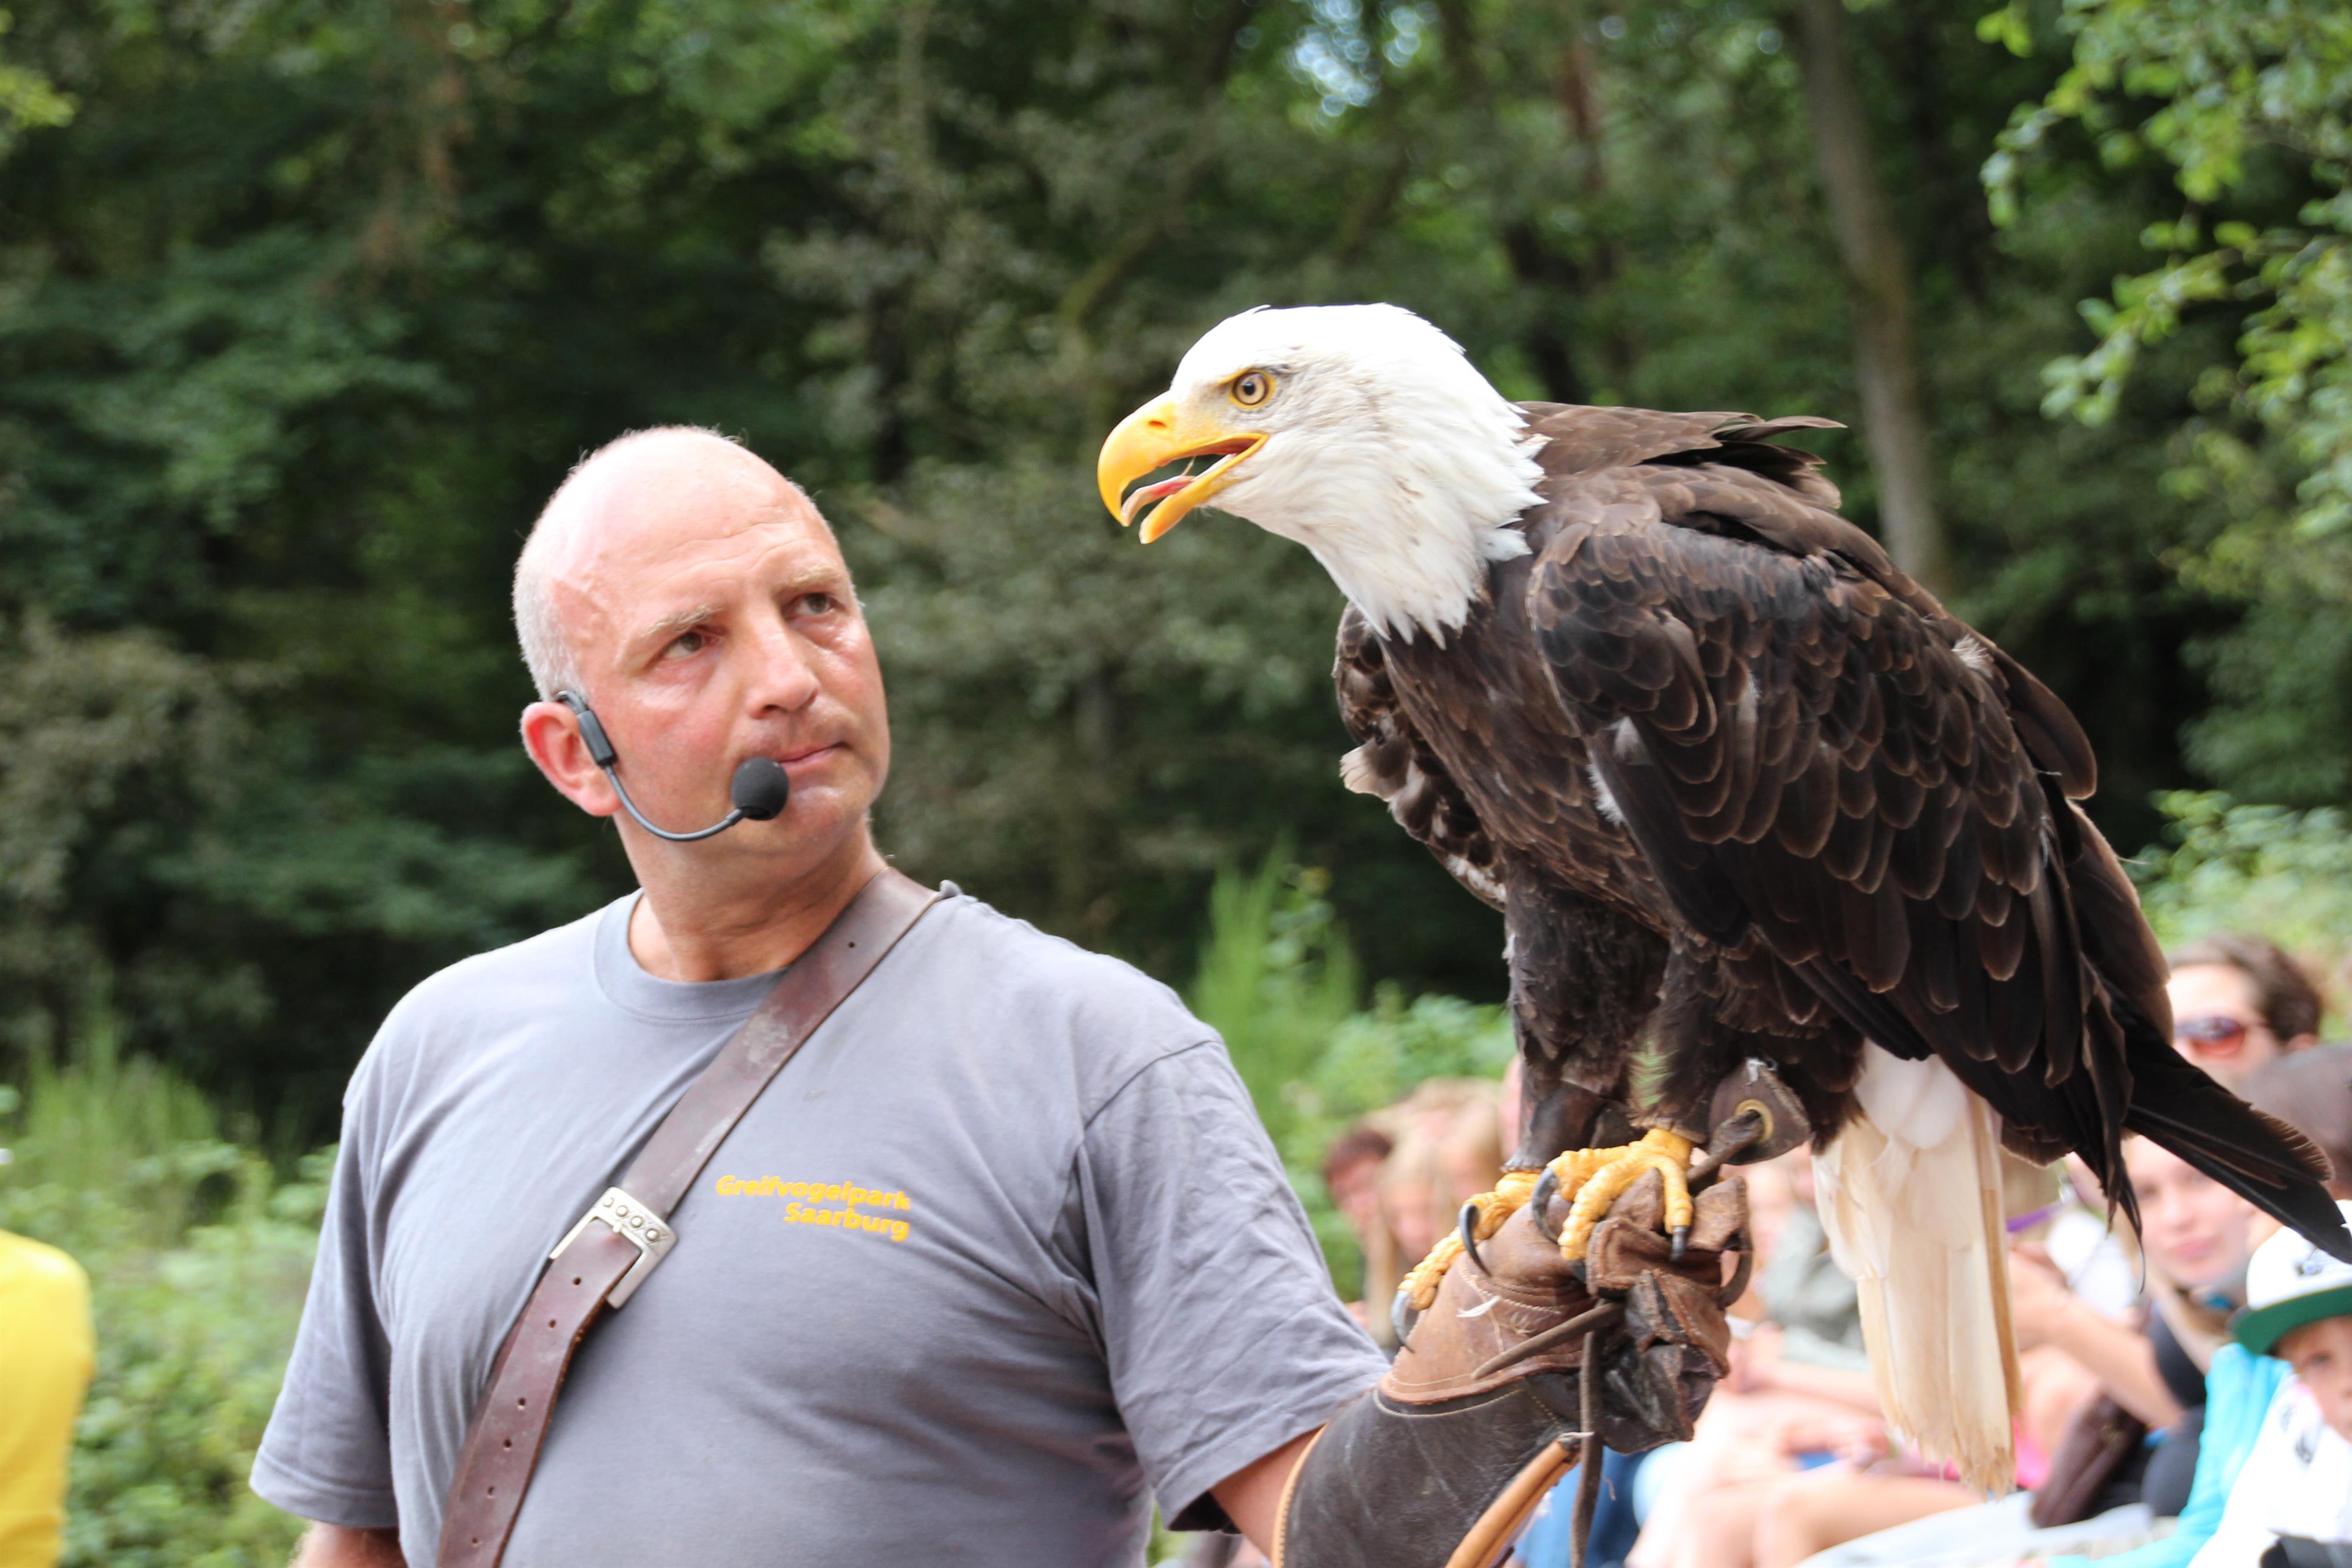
[
  {"x": 2244, "y": 103},
  {"x": 2230, "y": 867},
  {"x": 28, "y": 99}
]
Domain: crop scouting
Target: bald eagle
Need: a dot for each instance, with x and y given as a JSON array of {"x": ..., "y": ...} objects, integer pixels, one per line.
[{"x": 1741, "y": 789}]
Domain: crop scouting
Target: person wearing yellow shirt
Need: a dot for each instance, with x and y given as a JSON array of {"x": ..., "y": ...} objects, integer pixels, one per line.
[{"x": 46, "y": 1357}]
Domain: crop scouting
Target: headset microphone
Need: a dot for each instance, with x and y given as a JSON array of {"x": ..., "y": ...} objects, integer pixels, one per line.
[{"x": 759, "y": 789}]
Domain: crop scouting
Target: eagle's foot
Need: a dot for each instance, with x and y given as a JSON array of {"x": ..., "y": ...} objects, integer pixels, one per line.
[
  {"x": 1598, "y": 1177},
  {"x": 1481, "y": 1218}
]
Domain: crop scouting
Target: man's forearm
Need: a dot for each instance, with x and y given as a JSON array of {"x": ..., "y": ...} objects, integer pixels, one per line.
[
  {"x": 1252, "y": 1497},
  {"x": 333, "y": 1546}
]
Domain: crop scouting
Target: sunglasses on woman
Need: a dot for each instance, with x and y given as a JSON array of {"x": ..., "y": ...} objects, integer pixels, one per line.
[{"x": 2212, "y": 1031}]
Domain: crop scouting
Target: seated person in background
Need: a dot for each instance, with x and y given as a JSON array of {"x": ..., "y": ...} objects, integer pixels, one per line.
[
  {"x": 2293, "y": 1502},
  {"x": 2189, "y": 1248},
  {"x": 2242, "y": 1010},
  {"x": 2238, "y": 1002},
  {"x": 1351, "y": 1174},
  {"x": 1862, "y": 1487},
  {"x": 2197, "y": 1235},
  {"x": 1447, "y": 1153},
  {"x": 2311, "y": 1091},
  {"x": 1799, "y": 1394}
]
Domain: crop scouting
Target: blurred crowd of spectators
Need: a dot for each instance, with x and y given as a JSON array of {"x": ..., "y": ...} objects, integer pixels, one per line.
[{"x": 2148, "y": 1411}]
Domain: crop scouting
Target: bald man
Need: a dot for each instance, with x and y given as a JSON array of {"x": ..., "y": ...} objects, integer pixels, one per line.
[{"x": 1002, "y": 1255}]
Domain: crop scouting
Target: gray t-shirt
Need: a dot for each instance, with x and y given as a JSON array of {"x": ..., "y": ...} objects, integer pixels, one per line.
[{"x": 1002, "y": 1251}]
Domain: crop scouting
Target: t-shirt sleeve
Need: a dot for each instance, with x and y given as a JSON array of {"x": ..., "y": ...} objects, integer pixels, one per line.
[
  {"x": 1224, "y": 1336},
  {"x": 327, "y": 1454}
]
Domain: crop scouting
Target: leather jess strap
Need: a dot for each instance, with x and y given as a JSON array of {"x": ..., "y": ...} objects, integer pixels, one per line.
[{"x": 616, "y": 1244}]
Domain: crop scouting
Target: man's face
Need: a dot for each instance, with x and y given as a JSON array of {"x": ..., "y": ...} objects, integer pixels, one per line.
[
  {"x": 2321, "y": 1354},
  {"x": 713, "y": 619},
  {"x": 2216, "y": 1024}
]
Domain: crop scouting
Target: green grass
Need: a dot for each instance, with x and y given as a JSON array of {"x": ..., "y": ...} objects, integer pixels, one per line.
[{"x": 198, "y": 1253}]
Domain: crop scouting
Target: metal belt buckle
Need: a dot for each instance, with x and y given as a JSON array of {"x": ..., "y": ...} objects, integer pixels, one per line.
[{"x": 634, "y": 1221}]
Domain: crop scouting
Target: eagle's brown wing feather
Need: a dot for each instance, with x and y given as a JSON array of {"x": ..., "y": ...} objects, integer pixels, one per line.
[
  {"x": 1814, "y": 756},
  {"x": 1395, "y": 763}
]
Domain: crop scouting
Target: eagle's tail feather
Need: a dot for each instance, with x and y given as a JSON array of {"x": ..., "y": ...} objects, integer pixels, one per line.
[
  {"x": 1910, "y": 1195},
  {"x": 2256, "y": 1156}
]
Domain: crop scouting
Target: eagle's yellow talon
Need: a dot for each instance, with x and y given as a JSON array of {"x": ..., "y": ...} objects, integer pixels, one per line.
[
  {"x": 1510, "y": 1195},
  {"x": 1599, "y": 1176}
]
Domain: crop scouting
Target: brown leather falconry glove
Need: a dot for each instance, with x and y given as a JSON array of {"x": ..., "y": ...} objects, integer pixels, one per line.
[{"x": 1520, "y": 1356}]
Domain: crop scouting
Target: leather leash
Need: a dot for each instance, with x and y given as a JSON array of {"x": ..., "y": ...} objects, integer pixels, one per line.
[{"x": 602, "y": 1264}]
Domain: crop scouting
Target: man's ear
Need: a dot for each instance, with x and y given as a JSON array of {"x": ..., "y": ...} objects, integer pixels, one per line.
[{"x": 551, "y": 734}]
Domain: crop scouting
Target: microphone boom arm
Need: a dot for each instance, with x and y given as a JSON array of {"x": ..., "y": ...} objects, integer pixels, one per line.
[{"x": 759, "y": 789}]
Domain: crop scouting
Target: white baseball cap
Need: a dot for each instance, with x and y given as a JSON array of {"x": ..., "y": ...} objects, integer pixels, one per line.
[{"x": 2290, "y": 1283}]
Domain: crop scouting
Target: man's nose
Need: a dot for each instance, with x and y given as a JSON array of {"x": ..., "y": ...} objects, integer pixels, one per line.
[{"x": 782, "y": 677}]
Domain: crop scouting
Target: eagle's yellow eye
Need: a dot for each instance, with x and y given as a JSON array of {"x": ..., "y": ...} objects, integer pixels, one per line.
[{"x": 1252, "y": 388}]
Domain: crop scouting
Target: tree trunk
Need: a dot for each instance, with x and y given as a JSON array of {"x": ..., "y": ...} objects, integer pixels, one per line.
[{"x": 1885, "y": 342}]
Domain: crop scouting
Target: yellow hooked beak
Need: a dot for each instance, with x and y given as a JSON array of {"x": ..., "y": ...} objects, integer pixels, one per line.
[{"x": 1152, "y": 437}]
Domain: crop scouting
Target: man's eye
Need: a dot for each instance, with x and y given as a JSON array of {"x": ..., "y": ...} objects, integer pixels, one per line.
[
  {"x": 818, "y": 603},
  {"x": 688, "y": 644}
]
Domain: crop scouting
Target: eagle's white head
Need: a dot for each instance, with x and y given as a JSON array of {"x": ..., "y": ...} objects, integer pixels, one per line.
[{"x": 1362, "y": 432}]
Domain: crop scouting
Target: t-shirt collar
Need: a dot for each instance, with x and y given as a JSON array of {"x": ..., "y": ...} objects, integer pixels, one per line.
[{"x": 626, "y": 984}]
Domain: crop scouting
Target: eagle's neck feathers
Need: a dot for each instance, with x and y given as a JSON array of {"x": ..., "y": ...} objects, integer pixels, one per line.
[{"x": 1407, "y": 511}]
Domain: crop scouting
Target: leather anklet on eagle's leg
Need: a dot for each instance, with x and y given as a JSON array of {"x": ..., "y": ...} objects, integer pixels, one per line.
[{"x": 1519, "y": 1357}]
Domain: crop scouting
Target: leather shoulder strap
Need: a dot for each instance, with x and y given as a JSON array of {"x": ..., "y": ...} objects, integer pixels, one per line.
[{"x": 601, "y": 1264}]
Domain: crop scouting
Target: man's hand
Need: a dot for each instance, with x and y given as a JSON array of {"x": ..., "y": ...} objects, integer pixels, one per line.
[
  {"x": 1492, "y": 1394},
  {"x": 333, "y": 1546}
]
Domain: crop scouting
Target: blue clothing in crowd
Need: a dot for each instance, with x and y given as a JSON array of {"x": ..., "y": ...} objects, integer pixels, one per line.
[{"x": 2238, "y": 1392}]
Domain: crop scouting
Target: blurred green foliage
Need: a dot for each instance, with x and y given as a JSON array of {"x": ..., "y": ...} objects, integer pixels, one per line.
[
  {"x": 306, "y": 306},
  {"x": 1278, "y": 979},
  {"x": 2283, "y": 873},
  {"x": 198, "y": 1254},
  {"x": 28, "y": 99}
]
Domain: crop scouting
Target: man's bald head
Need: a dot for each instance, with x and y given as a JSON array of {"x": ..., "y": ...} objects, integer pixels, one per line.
[{"x": 642, "y": 475}]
